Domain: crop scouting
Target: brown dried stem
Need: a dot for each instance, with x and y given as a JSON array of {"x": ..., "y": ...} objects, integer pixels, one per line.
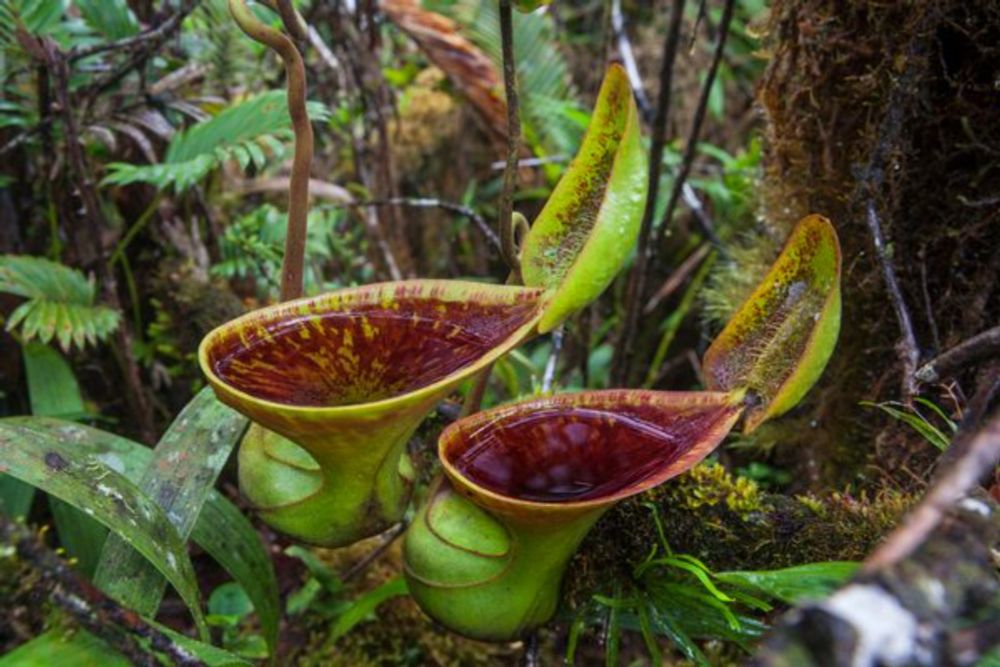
[
  {"x": 981, "y": 346},
  {"x": 508, "y": 244},
  {"x": 89, "y": 607},
  {"x": 699, "y": 118},
  {"x": 636, "y": 284},
  {"x": 298, "y": 191}
]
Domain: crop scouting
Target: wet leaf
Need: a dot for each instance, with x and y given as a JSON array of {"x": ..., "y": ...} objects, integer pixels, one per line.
[
  {"x": 364, "y": 606},
  {"x": 72, "y": 475},
  {"x": 792, "y": 584},
  {"x": 82, "y": 649},
  {"x": 587, "y": 229},
  {"x": 185, "y": 465},
  {"x": 777, "y": 344},
  {"x": 221, "y": 529}
]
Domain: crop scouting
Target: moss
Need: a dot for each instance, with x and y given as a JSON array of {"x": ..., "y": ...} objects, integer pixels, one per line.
[
  {"x": 732, "y": 524},
  {"x": 710, "y": 484},
  {"x": 399, "y": 635}
]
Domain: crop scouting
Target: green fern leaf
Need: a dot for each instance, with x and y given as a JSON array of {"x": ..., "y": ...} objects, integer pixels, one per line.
[
  {"x": 237, "y": 133},
  {"x": 60, "y": 303}
]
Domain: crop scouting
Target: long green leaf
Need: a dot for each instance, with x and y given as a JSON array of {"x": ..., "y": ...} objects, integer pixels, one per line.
[
  {"x": 82, "y": 649},
  {"x": 790, "y": 585},
  {"x": 365, "y": 605},
  {"x": 79, "y": 479},
  {"x": 54, "y": 392},
  {"x": 221, "y": 529},
  {"x": 185, "y": 465},
  {"x": 589, "y": 225}
]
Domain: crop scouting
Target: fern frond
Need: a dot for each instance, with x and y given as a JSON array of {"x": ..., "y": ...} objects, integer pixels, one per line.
[
  {"x": 549, "y": 109},
  {"x": 60, "y": 303},
  {"x": 242, "y": 132}
]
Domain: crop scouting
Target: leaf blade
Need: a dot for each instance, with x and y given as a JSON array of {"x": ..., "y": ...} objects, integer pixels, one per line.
[
  {"x": 587, "y": 229},
  {"x": 779, "y": 341},
  {"x": 84, "y": 482}
]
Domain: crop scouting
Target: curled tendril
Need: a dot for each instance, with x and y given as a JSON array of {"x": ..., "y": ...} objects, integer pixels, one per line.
[{"x": 298, "y": 189}]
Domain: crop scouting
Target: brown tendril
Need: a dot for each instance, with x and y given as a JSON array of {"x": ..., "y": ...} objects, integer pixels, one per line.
[{"x": 298, "y": 189}]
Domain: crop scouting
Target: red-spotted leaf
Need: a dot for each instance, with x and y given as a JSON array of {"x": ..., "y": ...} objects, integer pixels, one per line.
[
  {"x": 587, "y": 229},
  {"x": 777, "y": 344}
]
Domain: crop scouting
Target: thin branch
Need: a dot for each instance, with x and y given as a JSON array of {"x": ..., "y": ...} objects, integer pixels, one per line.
[
  {"x": 701, "y": 215},
  {"x": 699, "y": 118},
  {"x": 508, "y": 244},
  {"x": 155, "y": 36},
  {"x": 298, "y": 191},
  {"x": 550, "y": 366},
  {"x": 388, "y": 537},
  {"x": 979, "y": 459},
  {"x": 637, "y": 278},
  {"x": 91, "y": 608},
  {"x": 428, "y": 202},
  {"x": 628, "y": 60},
  {"x": 143, "y": 49},
  {"x": 981, "y": 346},
  {"x": 906, "y": 348}
]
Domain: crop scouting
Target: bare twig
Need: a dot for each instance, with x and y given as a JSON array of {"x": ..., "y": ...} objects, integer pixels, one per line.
[
  {"x": 981, "y": 346},
  {"x": 429, "y": 202},
  {"x": 678, "y": 277},
  {"x": 628, "y": 60},
  {"x": 298, "y": 191},
  {"x": 701, "y": 215},
  {"x": 88, "y": 606},
  {"x": 637, "y": 278},
  {"x": 154, "y": 37},
  {"x": 531, "y": 651},
  {"x": 143, "y": 49},
  {"x": 508, "y": 245},
  {"x": 550, "y": 366},
  {"x": 981, "y": 456},
  {"x": 699, "y": 118},
  {"x": 907, "y": 348},
  {"x": 93, "y": 215},
  {"x": 385, "y": 541}
]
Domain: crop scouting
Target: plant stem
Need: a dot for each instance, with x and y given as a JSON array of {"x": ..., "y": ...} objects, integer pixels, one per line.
[
  {"x": 298, "y": 190},
  {"x": 699, "y": 118},
  {"x": 508, "y": 243},
  {"x": 636, "y": 283}
]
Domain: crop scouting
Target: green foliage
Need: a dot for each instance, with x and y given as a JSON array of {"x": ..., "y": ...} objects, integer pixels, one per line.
[
  {"x": 554, "y": 121},
  {"x": 60, "y": 303},
  {"x": 324, "y": 594},
  {"x": 791, "y": 585},
  {"x": 61, "y": 470},
  {"x": 252, "y": 248},
  {"x": 228, "y": 609},
  {"x": 108, "y": 460},
  {"x": 912, "y": 416},
  {"x": 111, "y": 18},
  {"x": 248, "y": 132}
]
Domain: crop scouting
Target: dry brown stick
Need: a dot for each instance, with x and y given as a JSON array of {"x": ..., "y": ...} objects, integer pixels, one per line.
[
  {"x": 699, "y": 118},
  {"x": 980, "y": 347},
  {"x": 135, "y": 395},
  {"x": 388, "y": 537},
  {"x": 508, "y": 245},
  {"x": 153, "y": 36},
  {"x": 981, "y": 456},
  {"x": 298, "y": 190},
  {"x": 636, "y": 283},
  {"x": 628, "y": 60},
  {"x": 907, "y": 347},
  {"x": 88, "y": 606}
]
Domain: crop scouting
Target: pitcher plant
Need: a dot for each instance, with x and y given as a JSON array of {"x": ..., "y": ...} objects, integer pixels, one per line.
[
  {"x": 336, "y": 384},
  {"x": 524, "y": 483}
]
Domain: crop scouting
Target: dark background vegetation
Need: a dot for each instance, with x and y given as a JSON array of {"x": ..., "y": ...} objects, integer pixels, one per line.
[{"x": 881, "y": 116}]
